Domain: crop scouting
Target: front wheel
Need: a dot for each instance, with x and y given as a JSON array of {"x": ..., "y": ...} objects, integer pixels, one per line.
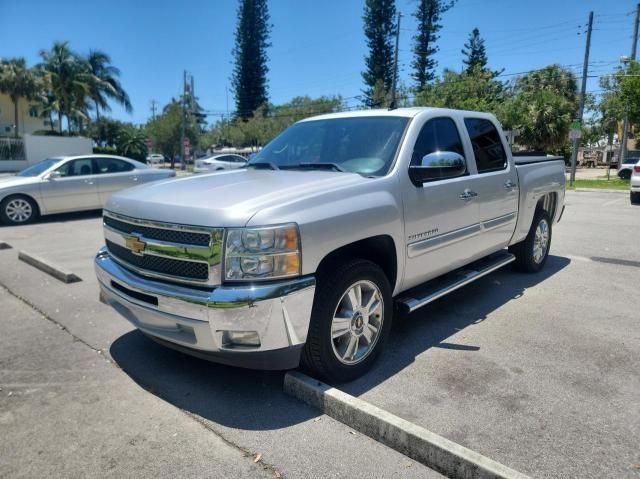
[
  {"x": 17, "y": 210},
  {"x": 634, "y": 197},
  {"x": 350, "y": 321},
  {"x": 531, "y": 254}
]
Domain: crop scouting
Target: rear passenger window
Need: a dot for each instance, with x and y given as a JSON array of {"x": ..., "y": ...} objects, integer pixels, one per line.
[
  {"x": 487, "y": 146},
  {"x": 438, "y": 134},
  {"x": 113, "y": 165}
]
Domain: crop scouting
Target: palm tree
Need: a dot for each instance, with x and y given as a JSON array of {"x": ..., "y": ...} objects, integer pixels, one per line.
[
  {"x": 70, "y": 81},
  {"x": 105, "y": 84},
  {"x": 17, "y": 81}
]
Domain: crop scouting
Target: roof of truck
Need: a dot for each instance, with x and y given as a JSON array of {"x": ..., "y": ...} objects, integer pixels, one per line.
[{"x": 403, "y": 112}]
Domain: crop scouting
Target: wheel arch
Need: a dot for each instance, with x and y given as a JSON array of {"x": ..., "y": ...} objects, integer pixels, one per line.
[
  {"x": 23, "y": 195},
  {"x": 380, "y": 249}
]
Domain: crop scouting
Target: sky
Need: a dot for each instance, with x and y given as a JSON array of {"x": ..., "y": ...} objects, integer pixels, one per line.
[{"x": 318, "y": 46}]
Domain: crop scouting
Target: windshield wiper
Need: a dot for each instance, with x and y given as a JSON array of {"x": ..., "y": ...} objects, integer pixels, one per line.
[
  {"x": 263, "y": 165},
  {"x": 321, "y": 166}
]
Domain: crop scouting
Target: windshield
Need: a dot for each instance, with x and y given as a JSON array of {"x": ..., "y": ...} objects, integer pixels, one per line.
[
  {"x": 35, "y": 170},
  {"x": 364, "y": 145}
]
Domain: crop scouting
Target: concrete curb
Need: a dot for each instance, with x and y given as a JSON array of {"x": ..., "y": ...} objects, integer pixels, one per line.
[
  {"x": 4, "y": 245},
  {"x": 600, "y": 190},
  {"x": 436, "y": 452},
  {"x": 48, "y": 267}
]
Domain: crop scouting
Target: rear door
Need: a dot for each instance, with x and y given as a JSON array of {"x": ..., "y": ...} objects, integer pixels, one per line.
[
  {"x": 75, "y": 189},
  {"x": 441, "y": 219},
  {"x": 113, "y": 175},
  {"x": 496, "y": 184}
]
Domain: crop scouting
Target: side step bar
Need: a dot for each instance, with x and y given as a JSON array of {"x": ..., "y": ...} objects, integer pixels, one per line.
[{"x": 425, "y": 293}]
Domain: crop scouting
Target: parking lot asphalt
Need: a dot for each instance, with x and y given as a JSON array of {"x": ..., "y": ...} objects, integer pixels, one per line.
[
  {"x": 539, "y": 372},
  {"x": 245, "y": 409}
]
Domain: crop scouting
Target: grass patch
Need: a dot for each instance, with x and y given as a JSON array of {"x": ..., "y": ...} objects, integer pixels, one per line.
[{"x": 612, "y": 184}]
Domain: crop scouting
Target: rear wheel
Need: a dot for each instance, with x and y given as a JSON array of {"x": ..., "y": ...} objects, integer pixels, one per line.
[
  {"x": 18, "y": 209},
  {"x": 531, "y": 254},
  {"x": 350, "y": 321},
  {"x": 625, "y": 174}
]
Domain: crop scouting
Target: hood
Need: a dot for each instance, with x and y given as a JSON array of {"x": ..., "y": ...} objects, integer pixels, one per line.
[
  {"x": 224, "y": 199},
  {"x": 11, "y": 181}
]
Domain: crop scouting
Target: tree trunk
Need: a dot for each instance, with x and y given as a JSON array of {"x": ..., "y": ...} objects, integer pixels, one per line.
[
  {"x": 60, "y": 123},
  {"x": 15, "y": 115},
  {"x": 97, "y": 112},
  {"x": 51, "y": 121}
]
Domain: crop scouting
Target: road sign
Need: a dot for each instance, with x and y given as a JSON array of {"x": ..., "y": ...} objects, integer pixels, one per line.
[
  {"x": 187, "y": 143},
  {"x": 575, "y": 130}
]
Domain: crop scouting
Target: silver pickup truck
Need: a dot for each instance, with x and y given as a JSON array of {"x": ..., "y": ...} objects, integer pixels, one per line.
[{"x": 339, "y": 223}]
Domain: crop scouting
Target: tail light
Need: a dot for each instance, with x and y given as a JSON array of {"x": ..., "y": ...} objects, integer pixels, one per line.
[{"x": 636, "y": 168}]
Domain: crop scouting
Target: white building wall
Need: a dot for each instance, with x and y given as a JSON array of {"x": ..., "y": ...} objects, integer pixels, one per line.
[{"x": 38, "y": 148}]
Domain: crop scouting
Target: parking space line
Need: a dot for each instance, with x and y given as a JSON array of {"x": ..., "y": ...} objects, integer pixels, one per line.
[
  {"x": 422, "y": 445},
  {"x": 48, "y": 267}
]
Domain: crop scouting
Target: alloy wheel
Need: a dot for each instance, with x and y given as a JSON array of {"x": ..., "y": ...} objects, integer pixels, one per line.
[
  {"x": 18, "y": 210},
  {"x": 541, "y": 241}
]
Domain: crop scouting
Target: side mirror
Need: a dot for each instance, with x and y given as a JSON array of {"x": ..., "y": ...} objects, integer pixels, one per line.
[
  {"x": 439, "y": 165},
  {"x": 54, "y": 175}
]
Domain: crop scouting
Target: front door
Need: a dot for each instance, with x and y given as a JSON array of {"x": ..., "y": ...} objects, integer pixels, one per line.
[
  {"x": 496, "y": 184},
  {"x": 75, "y": 189},
  {"x": 441, "y": 216}
]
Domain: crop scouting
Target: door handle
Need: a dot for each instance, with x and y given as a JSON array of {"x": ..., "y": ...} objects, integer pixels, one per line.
[
  {"x": 509, "y": 185},
  {"x": 467, "y": 194},
  {"x": 135, "y": 178},
  {"x": 89, "y": 182}
]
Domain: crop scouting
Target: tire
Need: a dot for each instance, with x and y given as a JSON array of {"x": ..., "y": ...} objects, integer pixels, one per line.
[
  {"x": 18, "y": 210},
  {"x": 334, "y": 359},
  {"x": 634, "y": 197},
  {"x": 530, "y": 255},
  {"x": 625, "y": 175}
]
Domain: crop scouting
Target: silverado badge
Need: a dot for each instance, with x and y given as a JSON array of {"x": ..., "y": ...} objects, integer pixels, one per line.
[{"x": 135, "y": 245}]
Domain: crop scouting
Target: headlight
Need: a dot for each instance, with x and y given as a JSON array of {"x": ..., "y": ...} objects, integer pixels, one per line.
[{"x": 262, "y": 253}]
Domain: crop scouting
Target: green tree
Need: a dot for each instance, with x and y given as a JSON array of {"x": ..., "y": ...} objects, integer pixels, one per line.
[
  {"x": 470, "y": 90},
  {"x": 475, "y": 52},
  {"x": 132, "y": 143},
  {"x": 166, "y": 130},
  {"x": 379, "y": 30},
  {"x": 106, "y": 131},
  {"x": 249, "y": 77},
  {"x": 428, "y": 16},
  {"x": 70, "y": 81},
  {"x": 105, "y": 84},
  {"x": 17, "y": 81},
  {"x": 541, "y": 106}
]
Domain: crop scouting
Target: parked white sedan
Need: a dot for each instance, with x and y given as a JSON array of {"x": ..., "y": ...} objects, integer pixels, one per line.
[
  {"x": 218, "y": 163},
  {"x": 70, "y": 183},
  {"x": 635, "y": 184}
]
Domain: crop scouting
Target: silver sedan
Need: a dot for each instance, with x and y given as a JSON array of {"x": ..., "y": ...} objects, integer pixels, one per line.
[{"x": 70, "y": 183}]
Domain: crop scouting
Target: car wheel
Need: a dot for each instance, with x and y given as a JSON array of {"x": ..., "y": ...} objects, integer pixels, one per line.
[
  {"x": 350, "y": 321},
  {"x": 18, "y": 209},
  {"x": 532, "y": 253},
  {"x": 624, "y": 174},
  {"x": 634, "y": 197}
]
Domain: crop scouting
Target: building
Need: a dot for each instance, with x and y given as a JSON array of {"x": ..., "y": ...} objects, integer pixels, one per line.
[{"x": 28, "y": 117}]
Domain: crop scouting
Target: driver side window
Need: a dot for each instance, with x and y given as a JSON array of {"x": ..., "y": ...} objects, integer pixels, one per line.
[
  {"x": 437, "y": 134},
  {"x": 80, "y": 167}
]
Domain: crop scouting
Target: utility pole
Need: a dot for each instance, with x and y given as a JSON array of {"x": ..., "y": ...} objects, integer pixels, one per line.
[
  {"x": 583, "y": 92},
  {"x": 183, "y": 165},
  {"x": 392, "y": 104},
  {"x": 153, "y": 109},
  {"x": 622, "y": 155}
]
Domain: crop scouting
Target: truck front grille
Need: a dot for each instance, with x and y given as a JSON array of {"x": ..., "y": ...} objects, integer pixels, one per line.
[
  {"x": 158, "y": 264},
  {"x": 173, "y": 252}
]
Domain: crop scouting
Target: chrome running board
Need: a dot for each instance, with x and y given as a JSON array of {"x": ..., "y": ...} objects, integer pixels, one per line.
[{"x": 423, "y": 294}]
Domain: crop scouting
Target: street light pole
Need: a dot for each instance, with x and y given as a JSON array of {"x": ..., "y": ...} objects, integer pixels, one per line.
[
  {"x": 583, "y": 91},
  {"x": 183, "y": 166},
  {"x": 625, "y": 128},
  {"x": 394, "y": 83}
]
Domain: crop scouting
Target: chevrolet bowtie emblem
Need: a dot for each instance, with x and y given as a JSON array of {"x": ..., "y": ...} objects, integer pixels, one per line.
[{"x": 135, "y": 245}]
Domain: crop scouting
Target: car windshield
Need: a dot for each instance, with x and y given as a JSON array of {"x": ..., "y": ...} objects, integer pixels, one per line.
[
  {"x": 35, "y": 170},
  {"x": 364, "y": 145}
]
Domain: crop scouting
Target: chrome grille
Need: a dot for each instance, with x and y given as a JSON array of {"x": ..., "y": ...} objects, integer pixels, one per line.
[
  {"x": 174, "y": 252},
  {"x": 158, "y": 264},
  {"x": 171, "y": 236}
]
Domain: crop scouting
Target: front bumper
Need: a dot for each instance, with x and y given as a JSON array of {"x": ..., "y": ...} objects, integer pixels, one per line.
[{"x": 198, "y": 321}]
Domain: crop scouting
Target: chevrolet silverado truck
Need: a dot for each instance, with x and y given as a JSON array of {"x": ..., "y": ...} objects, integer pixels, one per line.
[{"x": 343, "y": 220}]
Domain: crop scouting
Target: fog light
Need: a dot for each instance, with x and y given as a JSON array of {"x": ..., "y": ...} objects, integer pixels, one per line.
[{"x": 240, "y": 338}]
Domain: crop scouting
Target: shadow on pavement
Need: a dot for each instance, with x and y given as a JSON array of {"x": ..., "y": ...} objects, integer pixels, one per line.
[
  {"x": 254, "y": 400},
  {"x": 61, "y": 218},
  {"x": 233, "y": 397}
]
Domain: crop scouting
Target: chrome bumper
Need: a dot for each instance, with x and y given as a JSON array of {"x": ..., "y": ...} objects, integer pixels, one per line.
[{"x": 198, "y": 321}]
